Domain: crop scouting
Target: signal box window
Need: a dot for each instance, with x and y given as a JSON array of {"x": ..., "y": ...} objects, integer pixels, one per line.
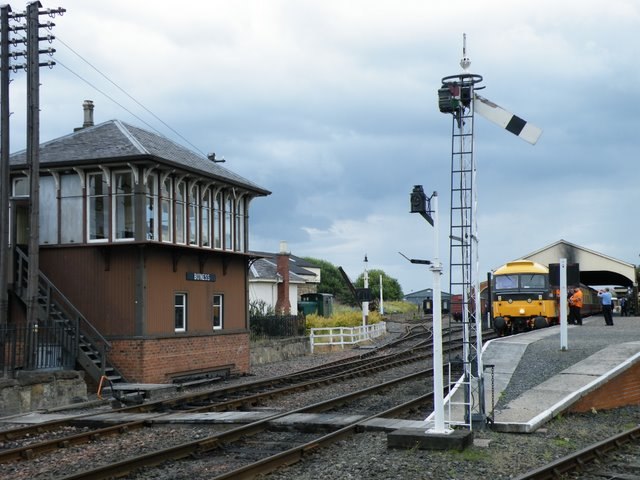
[
  {"x": 180, "y": 303},
  {"x": 217, "y": 311},
  {"x": 123, "y": 205},
  {"x": 98, "y": 207}
]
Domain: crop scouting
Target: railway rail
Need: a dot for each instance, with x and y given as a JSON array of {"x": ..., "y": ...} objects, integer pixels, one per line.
[
  {"x": 211, "y": 452},
  {"x": 614, "y": 457},
  {"x": 239, "y": 397}
]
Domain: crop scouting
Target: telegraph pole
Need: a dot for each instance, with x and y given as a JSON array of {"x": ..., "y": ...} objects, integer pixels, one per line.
[
  {"x": 32, "y": 66},
  {"x": 33, "y": 159},
  {"x": 5, "y": 187}
]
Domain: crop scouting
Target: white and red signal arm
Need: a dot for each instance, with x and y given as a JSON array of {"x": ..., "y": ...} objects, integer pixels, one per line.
[{"x": 510, "y": 122}]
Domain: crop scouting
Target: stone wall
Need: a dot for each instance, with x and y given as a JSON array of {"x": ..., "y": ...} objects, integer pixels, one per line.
[
  {"x": 41, "y": 390},
  {"x": 46, "y": 390},
  {"x": 269, "y": 351}
]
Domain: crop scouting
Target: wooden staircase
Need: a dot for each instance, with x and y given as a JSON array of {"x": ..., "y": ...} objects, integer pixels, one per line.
[{"x": 80, "y": 338}]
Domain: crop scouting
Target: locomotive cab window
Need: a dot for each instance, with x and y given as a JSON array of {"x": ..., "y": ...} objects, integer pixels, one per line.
[
  {"x": 532, "y": 281},
  {"x": 506, "y": 282}
]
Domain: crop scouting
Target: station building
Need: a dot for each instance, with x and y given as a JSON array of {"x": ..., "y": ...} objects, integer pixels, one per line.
[{"x": 143, "y": 250}]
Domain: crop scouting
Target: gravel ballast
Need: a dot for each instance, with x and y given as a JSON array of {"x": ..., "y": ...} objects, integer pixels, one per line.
[{"x": 494, "y": 455}]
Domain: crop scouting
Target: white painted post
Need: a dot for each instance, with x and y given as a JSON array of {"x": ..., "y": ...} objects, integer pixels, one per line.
[
  {"x": 563, "y": 304},
  {"x": 381, "y": 301},
  {"x": 365, "y": 305},
  {"x": 312, "y": 339},
  {"x": 436, "y": 269}
]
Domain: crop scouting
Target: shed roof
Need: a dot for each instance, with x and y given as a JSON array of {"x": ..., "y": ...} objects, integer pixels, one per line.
[
  {"x": 265, "y": 269},
  {"x": 595, "y": 268}
]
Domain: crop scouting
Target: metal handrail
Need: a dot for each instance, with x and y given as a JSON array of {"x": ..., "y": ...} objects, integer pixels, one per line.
[{"x": 82, "y": 324}]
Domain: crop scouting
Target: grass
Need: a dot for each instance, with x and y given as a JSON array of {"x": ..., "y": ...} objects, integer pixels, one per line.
[{"x": 562, "y": 442}]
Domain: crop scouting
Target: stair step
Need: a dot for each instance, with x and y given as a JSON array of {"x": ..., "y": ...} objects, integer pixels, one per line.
[{"x": 88, "y": 355}]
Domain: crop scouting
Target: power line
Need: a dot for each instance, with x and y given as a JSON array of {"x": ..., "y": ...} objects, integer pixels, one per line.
[
  {"x": 123, "y": 91},
  {"x": 106, "y": 95}
]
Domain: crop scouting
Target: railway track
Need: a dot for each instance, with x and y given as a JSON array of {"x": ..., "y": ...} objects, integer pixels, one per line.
[
  {"x": 240, "y": 397},
  {"x": 254, "y": 448},
  {"x": 613, "y": 458},
  {"x": 234, "y": 397}
]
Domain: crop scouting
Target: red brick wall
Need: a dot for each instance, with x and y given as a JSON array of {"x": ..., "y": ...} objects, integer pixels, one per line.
[
  {"x": 620, "y": 391},
  {"x": 158, "y": 360}
]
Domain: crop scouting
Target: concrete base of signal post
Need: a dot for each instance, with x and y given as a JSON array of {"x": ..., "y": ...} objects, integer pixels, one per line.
[{"x": 418, "y": 438}]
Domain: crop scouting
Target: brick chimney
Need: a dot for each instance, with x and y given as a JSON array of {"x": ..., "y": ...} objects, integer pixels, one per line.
[
  {"x": 88, "y": 113},
  {"x": 87, "y": 107},
  {"x": 283, "y": 306}
]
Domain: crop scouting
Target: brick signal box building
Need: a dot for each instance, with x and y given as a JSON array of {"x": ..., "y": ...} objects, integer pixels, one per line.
[{"x": 148, "y": 241}]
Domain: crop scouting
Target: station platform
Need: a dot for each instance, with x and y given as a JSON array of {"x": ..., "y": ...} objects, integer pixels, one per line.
[{"x": 533, "y": 379}]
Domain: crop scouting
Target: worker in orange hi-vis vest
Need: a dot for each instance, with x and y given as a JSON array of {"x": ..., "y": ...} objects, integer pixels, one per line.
[{"x": 575, "y": 304}]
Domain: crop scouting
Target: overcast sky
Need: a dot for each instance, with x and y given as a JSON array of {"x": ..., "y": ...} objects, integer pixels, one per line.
[{"x": 332, "y": 106}]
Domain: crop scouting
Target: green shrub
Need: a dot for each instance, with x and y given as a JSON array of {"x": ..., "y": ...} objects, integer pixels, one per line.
[
  {"x": 342, "y": 318},
  {"x": 399, "y": 307}
]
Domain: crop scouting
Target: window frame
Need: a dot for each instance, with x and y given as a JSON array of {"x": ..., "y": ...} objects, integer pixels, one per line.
[
  {"x": 217, "y": 311},
  {"x": 193, "y": 214},
  {"x": 239, "y": 230},
  {"x": 104, "y": 196},
  {"x": 20, "y": 189},
  {"x": 217, "y": 220},
  {"x": 205, "y": 218},
  {"x": 228, "y": 214},
  {"x": 127, "y": 208},
  {"x": 180, "y": 212},
  {"x": 165, "y": 192},
  {"x": 183, "y": 309}
]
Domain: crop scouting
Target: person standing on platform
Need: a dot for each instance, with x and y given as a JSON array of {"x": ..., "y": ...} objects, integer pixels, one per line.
[
  {"x": 575, "y": 305},
  {"x": 605, "y": 298}
]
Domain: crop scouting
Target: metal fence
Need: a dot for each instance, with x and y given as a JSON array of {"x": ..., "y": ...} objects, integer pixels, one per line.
[
  {"x": 35, "y": 348},
  {"x": 276, "y": 326}
]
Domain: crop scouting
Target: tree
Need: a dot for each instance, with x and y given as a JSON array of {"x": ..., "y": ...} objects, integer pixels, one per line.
[
  {"x": 391, "y": 288},
  {"x": 331, "y": 281}
]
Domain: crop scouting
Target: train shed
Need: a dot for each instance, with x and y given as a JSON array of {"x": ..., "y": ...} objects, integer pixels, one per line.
[{"x": 595, "y": 268}]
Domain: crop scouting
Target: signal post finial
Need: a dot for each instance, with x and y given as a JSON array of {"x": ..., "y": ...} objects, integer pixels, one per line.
[{"x": 465, "y": 62}]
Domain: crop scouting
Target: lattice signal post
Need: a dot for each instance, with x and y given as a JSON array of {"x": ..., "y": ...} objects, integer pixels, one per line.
[{"x": 457, "y": 97}]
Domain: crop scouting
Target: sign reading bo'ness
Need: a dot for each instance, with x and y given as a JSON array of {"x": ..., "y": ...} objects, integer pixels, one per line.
[{"x": 201, "y": 277}]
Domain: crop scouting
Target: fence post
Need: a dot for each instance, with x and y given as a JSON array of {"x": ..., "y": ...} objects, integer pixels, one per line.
[{"x": 312, "y": 339}]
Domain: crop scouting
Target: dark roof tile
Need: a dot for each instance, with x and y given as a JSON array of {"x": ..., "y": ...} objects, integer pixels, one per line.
[{"x": 114, "y": 141}]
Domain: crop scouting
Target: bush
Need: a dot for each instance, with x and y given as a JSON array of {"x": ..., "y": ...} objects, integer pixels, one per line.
[
  {"x": 400, "y": 307},
  {"x": 260, "y": 308},
  {"x": 343, "y": 318}
]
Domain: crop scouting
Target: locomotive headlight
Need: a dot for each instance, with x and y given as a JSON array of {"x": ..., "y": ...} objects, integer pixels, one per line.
[
  {"x": 510, "y": 300},
  {"x": 528, "y": 300},
  {"x": 522, "y": 311}
]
